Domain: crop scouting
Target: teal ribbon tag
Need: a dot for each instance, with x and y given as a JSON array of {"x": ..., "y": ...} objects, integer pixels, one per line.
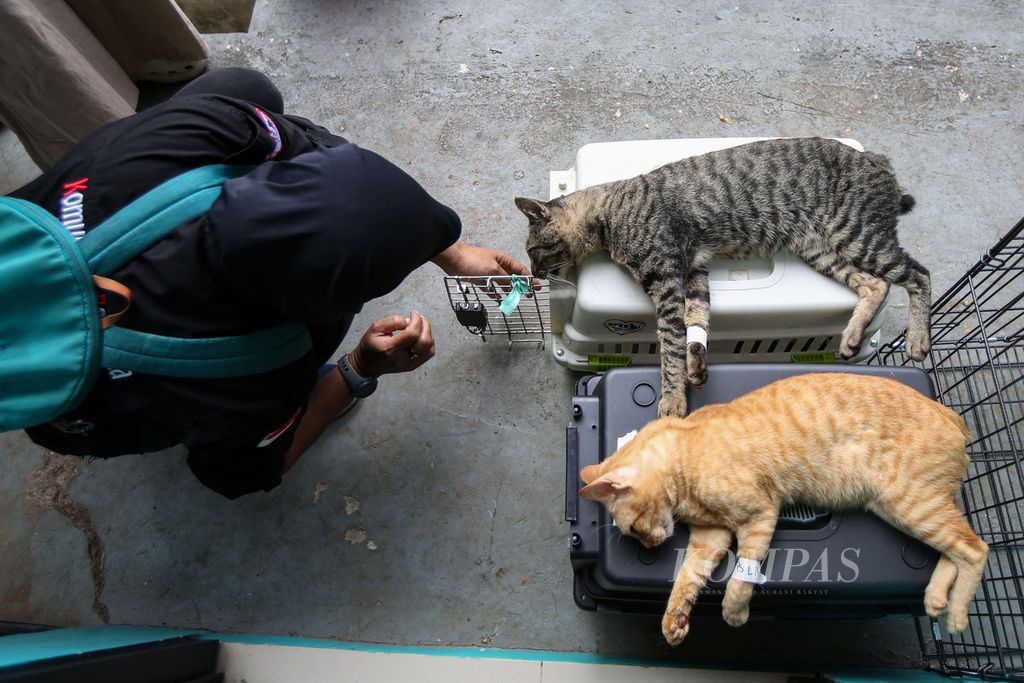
[{"x": 510, "y": 303}]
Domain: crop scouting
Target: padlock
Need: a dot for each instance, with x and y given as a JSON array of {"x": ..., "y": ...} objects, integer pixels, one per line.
[{"x": 472, "y": 316}]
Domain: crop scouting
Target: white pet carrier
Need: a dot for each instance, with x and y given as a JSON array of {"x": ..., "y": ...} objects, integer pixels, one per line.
[{"x": 772, "y": 310}]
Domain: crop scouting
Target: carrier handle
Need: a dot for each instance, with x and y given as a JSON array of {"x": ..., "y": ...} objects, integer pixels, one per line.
[{"x": 572, "y": 468}]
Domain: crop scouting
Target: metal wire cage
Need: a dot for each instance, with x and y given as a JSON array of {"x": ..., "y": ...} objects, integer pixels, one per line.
[
  {"x": 977, "y": 366},
  {"x": 477, "y": 301}
]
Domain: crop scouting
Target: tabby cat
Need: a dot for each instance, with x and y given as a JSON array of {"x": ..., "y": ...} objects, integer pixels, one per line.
[
  {"x": 834, "y": 440},
  {"x": 831, "y": 205}
]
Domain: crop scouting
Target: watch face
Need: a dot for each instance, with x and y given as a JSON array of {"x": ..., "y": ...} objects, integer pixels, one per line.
[{"x": 366, "y": 388}]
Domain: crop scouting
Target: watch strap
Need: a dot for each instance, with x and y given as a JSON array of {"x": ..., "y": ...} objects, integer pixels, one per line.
[{"x": 360, "y": 386}]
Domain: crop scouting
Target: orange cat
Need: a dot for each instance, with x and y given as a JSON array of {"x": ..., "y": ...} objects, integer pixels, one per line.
[{"x": 829, "y": 439}]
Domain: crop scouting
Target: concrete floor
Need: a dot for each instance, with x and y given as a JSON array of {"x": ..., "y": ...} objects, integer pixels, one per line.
[{"x": 455, "y": 473}]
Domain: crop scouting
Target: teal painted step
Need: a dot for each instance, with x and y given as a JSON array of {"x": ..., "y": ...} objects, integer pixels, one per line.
[
  {"x": 886, "y": 676},
  {"x": 25, "y": 648}
]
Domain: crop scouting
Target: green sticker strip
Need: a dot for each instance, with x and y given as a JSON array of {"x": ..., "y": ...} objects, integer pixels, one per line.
[
  {"x": 598, "y": 362},
  {"x": 814, "y": 357},
  {"x": 510, "y": 303}
]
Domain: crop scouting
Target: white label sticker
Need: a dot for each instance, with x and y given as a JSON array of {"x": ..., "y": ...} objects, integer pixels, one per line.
[
  {"x": 624, "y": 439},
  {"x": 698, "y": 335},
  {"x": 748, "y": 570}
]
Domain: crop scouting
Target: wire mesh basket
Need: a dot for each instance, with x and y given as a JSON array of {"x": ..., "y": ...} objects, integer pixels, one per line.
[
  {"x": 977, "y": 366},
  {"x": 477, "y": 303}
]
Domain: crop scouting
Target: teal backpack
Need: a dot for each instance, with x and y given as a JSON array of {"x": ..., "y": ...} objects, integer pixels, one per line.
[{"x": 52, "y": 337}]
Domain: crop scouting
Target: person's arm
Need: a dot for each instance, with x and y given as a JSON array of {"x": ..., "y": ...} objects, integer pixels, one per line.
[
  {"x": 329, "y": 397},
  {"x": 464, "y": 259},
  {"x": 395, "y": 344}
]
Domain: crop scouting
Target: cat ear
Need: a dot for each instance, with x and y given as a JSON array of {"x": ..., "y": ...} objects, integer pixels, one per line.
[
  {"x": 613, "y": 484},
  {"x": 534, "y": 210},
  {"x": 589, "y": 473}
]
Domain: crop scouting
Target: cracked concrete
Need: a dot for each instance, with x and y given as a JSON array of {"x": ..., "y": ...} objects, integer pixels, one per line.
[
  {"x": 45, "y": 533},
  {"x": 47, "y": 488},
  {"x": 430, "y": 457}
]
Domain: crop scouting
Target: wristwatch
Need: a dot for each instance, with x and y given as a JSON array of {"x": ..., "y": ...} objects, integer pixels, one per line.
[{"x": 361, "y": 386}]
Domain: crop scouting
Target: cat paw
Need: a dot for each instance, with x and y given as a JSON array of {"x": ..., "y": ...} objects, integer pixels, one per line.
[
  {"x": 674, "y": 626},
  {"x": 736, "y": 602},
  {"x": 935, "y": 604},
  {"x": 735, "y": 614},
  {"x": 849, "y": 345},
  {"x": 918, "y": 345},
  {"x": 673, "y": 406},
  {"x": 956, "y": 621},
  {"x": 696, "y": 364}
]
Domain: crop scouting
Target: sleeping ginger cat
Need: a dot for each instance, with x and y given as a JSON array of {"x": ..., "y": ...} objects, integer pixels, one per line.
[{"x": 831, "y": 439}]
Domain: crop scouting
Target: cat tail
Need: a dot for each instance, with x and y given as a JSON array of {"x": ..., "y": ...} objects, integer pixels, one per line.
[{"x": 906, "y": 203}]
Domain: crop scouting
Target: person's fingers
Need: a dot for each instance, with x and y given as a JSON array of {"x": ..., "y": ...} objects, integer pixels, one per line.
[
  {"x": 501, "y": 266},
  {"x": 510, "y": 265},
  {"x": 390, "y": 324},
  {"x": 417, "y": 321},
  {"x": 514, "y": 267},
  {"x": 424, "y": 342},
  {"x": 418, "y": 359},
  {"x": 407, "y": 336}
]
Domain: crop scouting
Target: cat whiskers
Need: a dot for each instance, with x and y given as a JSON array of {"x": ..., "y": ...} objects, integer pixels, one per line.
[
  {"x": 618, "y": 532},
  {"x": 558, "y": 278},
  {"x": 558, "y": 265}
]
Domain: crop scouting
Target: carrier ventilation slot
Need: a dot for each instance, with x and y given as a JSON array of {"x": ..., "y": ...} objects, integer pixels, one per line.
[
  {"x": 743, "y": 346},
  {"x": 802, "y": 516},
  {"x": 804, "y": 344}
]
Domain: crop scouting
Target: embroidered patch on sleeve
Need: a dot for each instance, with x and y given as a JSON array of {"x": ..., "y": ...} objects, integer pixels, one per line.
[
  {"x": 272, "y": 131},
  {"x": 273, "y": 436}
]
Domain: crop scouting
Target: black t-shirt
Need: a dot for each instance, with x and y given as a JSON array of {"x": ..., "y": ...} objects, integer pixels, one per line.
[{"x": 319, "y": 227}]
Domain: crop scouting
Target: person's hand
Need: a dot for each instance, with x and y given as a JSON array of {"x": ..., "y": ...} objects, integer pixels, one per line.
[
  {"x": 463, "y": 259},
  {"x": 395, "y": 344}
]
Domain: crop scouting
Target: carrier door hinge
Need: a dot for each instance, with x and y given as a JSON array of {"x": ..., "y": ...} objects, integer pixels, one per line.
[{"x": 562, "y": 183}]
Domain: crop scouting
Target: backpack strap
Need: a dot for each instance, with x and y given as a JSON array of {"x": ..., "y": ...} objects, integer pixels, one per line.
[
  {"x": 154, "y": 215},
  {"x": 136, "y": 227},
  {"x": 215, "y": 357}
]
